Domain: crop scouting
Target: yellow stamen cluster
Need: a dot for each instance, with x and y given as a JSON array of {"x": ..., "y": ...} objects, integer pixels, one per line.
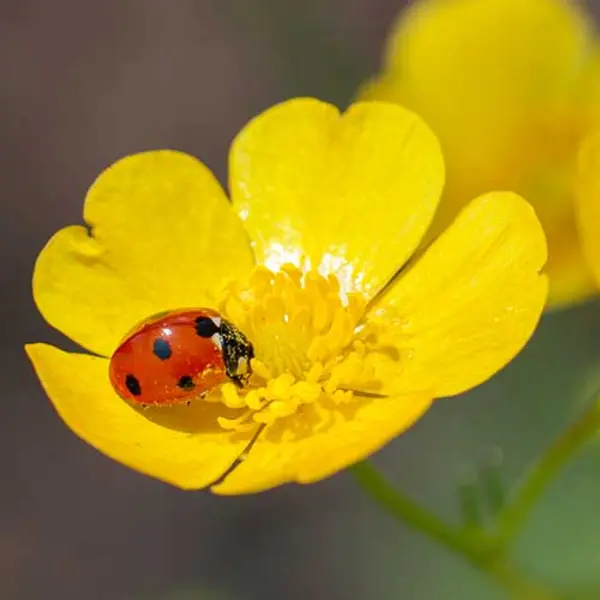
[{"x": 305, "y": 335}]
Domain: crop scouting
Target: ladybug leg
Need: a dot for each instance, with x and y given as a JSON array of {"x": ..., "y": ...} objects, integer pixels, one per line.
[{"x": 239, "y": 381}]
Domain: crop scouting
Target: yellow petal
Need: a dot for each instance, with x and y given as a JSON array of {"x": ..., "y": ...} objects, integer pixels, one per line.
[
  {"x": 482, "y": 72},
  {"x": 78, "y": 386},
  {"x": 293, "y": 451},
  {"x": 588, "y": 201},
  {"x": 163, "y": 235},
  {"x": 353, "y": 194},
  {"x": 473, "y": 299}
]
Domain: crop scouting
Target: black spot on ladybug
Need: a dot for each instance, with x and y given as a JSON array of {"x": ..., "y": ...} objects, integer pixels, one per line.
[
  {"x": 162, "y": 348},
  {"x": 133, "y": 385},
  {"x": 186, "y": 383},
  {"x": 206, "y": 327}
]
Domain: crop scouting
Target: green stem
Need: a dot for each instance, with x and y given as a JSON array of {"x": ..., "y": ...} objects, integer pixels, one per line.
[
  {"x": 513, "y": 581},
  {"x": 474, "y": 549},
  {"x": 487, "y": 552},
  {"x": 512, "y": 518},
  {"x": 408, "y": 511}
]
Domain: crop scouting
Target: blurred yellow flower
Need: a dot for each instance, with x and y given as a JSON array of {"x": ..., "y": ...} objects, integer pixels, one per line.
[
  {"x": 588, "y": 201},
  {"x": 325, "y": 211},
  {"x": 511, "y": 88}
]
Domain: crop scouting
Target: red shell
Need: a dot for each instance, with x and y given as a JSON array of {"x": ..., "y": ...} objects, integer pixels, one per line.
[{"x": 180, "y": 366}]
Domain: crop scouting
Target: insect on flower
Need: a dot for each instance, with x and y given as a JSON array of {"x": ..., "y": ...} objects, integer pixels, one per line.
[
  {"x": 295, "y": 342},
  {"x": 175, "y": 357}
]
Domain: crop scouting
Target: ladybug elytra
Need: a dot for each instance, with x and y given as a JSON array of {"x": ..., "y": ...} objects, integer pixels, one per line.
[{"x": 176, "y": 356}]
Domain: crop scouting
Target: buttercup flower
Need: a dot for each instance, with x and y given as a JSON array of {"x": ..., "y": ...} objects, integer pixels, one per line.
[
  {"x": 306, "y": 260},
  {"x": 511, "y": 88}
]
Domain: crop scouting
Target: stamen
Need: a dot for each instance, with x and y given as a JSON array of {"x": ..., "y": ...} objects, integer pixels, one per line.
[
  {"x": 231, "y": 398},
  {"x": 240, "y": 424},
  {"x": 310, "y": 345},
  {"x": 260, "y": 369}
]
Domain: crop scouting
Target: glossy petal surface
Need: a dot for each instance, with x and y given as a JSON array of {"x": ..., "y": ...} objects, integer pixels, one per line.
[
  {"x": 471, "y": 302},
  {"x": 162, "y": 236},
  {"x": 191, "y": 458},
  {"x": 321, "y": 441},
  {"x": 352, "y": 193}
]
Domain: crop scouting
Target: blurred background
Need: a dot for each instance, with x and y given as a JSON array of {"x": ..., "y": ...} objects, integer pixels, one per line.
[{"x": 83, "y": 83}]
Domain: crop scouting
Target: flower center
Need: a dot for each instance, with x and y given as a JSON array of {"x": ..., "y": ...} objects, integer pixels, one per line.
[{"x": 304, "y": 332}]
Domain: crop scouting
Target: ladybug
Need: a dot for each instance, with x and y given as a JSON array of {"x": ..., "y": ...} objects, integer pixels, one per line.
[{"x": 176, "y": 356}]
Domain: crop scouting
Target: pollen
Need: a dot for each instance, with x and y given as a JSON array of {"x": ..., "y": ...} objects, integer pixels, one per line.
[{"x": 311, "y": 346}]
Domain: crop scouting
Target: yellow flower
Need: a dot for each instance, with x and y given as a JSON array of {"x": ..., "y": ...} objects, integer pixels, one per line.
[
  {"x": 325, "y": 210},
  {"x": 511, "y": 88}
]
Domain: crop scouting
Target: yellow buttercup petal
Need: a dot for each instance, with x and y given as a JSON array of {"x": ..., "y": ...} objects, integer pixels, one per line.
[
  {"x": 163, "y": 235},
  {"x": 470, "y": 303},
  {"x": 588, "y": 201},
  {"x": 321, "y": 441},
  {"x": 350, "y": 195},
  {"x": 78, "y": 386}
]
